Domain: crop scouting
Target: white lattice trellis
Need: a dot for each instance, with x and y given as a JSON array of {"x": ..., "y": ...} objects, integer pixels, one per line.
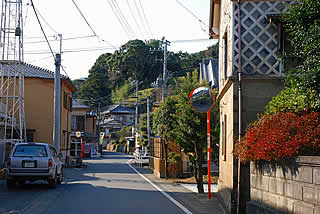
[{"x": 259, "y": 38}]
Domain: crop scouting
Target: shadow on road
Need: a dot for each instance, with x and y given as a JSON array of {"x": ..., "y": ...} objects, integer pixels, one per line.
[{"x": 87, "y": 198}]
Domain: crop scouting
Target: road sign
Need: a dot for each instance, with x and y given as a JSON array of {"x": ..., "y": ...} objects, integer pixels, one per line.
[{"x": 101, "y": 137}]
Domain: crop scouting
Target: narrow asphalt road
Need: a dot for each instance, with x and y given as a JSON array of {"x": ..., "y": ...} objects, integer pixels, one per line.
[{"x": 106, "y": 185}]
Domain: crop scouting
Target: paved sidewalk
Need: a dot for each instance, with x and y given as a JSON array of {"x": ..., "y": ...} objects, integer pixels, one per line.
[{"x": 195, "y": 202}]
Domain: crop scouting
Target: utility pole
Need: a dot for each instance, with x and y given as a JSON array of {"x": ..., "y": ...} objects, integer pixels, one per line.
[
  {"x": 148, "y": 121},
  {"x": 99, "y": 110},
  {"x": 137, "y": 113},
  {"x": 57, "y": 98},
  {"x": 99, "y": 145},
  {"x": 165, "y": 60}
]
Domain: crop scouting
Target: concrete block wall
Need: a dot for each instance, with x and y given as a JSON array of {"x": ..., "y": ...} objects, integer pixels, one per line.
[{"x": 274, "y": 190}]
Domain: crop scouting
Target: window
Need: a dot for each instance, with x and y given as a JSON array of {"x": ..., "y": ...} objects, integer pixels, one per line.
[
  {"x": 30, "y": 151},
  {"x": 53, "y": 151},
  {"x": 284, "y": 45},
  {"x": 63, "y": 139},
  {"x": 29, "y": 137},
  {"x": 80, "y": 120},
  {"x": 65, "y": 100},
  {"x": 73, "y": 123},
  {"x": 225, "y": 57},
  {"x": 224, "y": 138},
  {"x": 70, "y": 104}
]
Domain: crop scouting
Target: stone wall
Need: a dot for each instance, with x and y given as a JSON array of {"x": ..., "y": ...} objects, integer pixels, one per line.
[{"x": 294, "y": 189}]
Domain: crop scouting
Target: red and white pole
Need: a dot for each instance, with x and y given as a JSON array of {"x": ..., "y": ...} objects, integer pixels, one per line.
[{"x": 209, "y": 154}]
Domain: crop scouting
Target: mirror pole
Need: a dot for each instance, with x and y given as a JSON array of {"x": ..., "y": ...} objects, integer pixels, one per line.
[{"x": 209, "y": 154}]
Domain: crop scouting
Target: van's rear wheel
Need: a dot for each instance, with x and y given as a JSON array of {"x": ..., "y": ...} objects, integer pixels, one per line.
[
  {"x": 60, "y": 177},
  {"x": 53, "y": 182}
]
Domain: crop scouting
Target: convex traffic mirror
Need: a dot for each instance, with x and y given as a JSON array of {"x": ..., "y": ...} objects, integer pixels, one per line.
[{"x": 202, "y": 99}]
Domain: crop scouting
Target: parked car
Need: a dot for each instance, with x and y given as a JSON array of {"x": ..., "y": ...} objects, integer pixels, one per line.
[{"x": 34, "y": 161}]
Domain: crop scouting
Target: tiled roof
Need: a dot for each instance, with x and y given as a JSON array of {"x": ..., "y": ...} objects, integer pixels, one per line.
[
  {"x": 118, "y": 109},
  {"x": 30, "y": 71},
  {"x": 75, "y": 105}
]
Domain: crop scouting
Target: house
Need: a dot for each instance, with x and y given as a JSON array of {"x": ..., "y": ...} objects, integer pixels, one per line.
[
  {"x": 250, "y": 38},
  {"x": 83, "y": 120},
  {"x": 39, "y": 106},
  {"x": 116, "y": 117},
  {"x": 209, "y": 71}
]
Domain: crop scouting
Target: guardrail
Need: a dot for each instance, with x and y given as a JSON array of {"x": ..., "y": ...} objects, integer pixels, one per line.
[{"x": 140, "y": 156}]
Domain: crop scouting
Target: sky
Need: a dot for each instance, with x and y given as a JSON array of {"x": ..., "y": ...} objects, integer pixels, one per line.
[{"x": 147, "y": 19}]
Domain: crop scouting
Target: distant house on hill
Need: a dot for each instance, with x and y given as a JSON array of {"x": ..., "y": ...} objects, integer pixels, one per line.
[{"x": 116, "y": 117}]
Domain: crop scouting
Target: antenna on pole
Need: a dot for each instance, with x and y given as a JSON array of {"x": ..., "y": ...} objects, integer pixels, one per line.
[{"x": 12, "y": 116}]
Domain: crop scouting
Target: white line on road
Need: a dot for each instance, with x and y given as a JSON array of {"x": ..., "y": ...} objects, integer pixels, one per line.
[{"x": 160, "y": 190}]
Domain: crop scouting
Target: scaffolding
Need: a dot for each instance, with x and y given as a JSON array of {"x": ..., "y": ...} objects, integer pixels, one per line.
[{"x": 12, "y": 116}]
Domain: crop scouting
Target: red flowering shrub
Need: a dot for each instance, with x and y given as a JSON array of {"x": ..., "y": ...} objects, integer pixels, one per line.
[{"x": 281, "y": 135}]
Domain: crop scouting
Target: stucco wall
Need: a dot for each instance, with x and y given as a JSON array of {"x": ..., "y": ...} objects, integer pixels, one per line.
[
  {"x": 295, "y": 191},
  {"x": 225, "y": 182},
  {"x": 39, "y": 109},
  {"x": 256, "y": 92}
]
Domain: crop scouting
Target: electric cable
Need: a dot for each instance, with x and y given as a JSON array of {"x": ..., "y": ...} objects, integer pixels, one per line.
[
  {"x": 26, "y": 16},
  {"x": 141, "y": 19},
  {"x": 73, "y": 50},
  {"x": 135, "y": 20},
  {"x": 191, "y": 13},
  {"x": 37, "y": 60},
  {"x": 118, "y": 18},
  {"x": 46, "y": 22},
  {"x": 64, "y": 39},
  {"x": 34, "y": 9},
  {"x": 145, "y": 17},
  {"x": 89, "y": 24},
  {"x": 124, "y": 19}
]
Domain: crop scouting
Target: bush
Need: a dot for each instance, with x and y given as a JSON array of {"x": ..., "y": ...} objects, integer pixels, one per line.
[
  {"x": 281, "y": 135},
  {"x": 294, "y": 99}
]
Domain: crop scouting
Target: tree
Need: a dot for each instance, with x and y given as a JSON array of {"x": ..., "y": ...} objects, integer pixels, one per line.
[
  {"x": 190, "y": 136},
  {"x": 165, "y": 123},
  {"x": 302, "y": 91},
  {"x": 143, "y": 129},
  {"x": 97, "y": 83}
]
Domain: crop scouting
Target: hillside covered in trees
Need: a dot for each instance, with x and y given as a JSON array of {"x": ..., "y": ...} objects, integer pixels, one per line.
[{"x": 111, "y": 75}]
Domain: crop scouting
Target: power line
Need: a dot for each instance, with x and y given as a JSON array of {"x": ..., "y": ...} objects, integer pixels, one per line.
[
  {"x": 37, "y": 60},
  {"x": 145, "y": 17},
  {"x": 89, "y": 24},
  {"x": 192, "y": 13},
  {"x": 65, "y": 39},
  {"x": 72, "y": 50},
  {"x": 135, "y": 20},
  {"x": 191, "y": 40},
  {"x": 119, "y": 19},
  {"x": 141, "y": 19},
  {"x": 46, "y": 22},
  {"x": 25, "y": 19},
  {"x": 125, "y": 20},
  {"x": 34, "y": 9},
  {"x": 36, "y": 37}
]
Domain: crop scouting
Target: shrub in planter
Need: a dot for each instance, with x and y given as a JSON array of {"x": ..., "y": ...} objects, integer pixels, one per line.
[{"x": 280, "y": 136}]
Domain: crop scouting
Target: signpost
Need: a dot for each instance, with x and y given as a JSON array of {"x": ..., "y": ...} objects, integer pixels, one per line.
[
  {"x": 100, "y": 143},
  {"x": 202, "y": 100}
]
